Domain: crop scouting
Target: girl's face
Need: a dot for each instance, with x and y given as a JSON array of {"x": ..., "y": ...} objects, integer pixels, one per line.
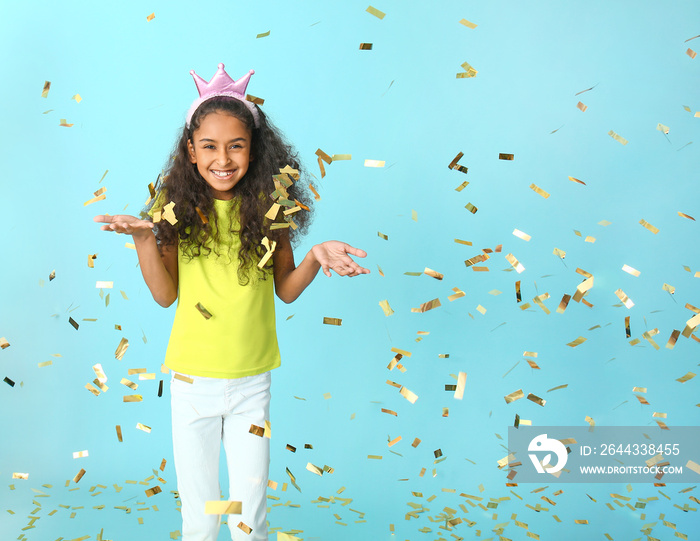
[{"x": 221, "y": 149}]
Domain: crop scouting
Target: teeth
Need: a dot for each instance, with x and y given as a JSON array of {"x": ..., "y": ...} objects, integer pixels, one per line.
[{"x": 222, "y": 173}]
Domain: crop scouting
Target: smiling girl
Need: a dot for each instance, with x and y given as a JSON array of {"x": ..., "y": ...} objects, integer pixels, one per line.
[{"x": 223, "y": 343}]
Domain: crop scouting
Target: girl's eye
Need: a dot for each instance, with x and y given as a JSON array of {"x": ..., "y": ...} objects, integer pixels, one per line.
[{"x": 208, "y": 146}]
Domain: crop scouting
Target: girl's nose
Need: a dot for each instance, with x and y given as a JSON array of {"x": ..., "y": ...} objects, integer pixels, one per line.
[{"x": 222, "y": 157}]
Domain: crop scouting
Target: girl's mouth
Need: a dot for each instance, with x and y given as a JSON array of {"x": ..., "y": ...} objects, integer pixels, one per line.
[{"x": 223, "y": 175}]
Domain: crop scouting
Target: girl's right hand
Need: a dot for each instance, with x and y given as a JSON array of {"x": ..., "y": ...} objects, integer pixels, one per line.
[{"x": 124, "y": 223}]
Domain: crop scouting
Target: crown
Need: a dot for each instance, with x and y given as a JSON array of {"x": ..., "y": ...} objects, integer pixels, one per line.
[{"x": 221, "y": 84}]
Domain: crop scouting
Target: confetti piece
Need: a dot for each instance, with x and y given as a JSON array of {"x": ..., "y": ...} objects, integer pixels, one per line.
[
  {"x": 558, "y": 387},
  {"x": 589, "y": 239},
  {"x": 648, "y": 226},
  {"x": 481, "y": 310},
  {"x": 374, "y": 163},
  {"x": 580, "y": 340},
  {"x": 385, "y": 306},
  {"x": 374, "y": 11},
  {"x": 408, "y": 395},
  {"x": 687, "y": 377},
  {"x": 365, "y": 46},
  {"x": 512, "y": 397},
  {"x": 45, "y": 91},
  {"x": 44, "y": 364},
  {"x": 457, "y": 294},
  {"x": 682, "y": 215},
  {"x": 515, "y": 263},
  {"x": 617, "y": 137},
  {"x": 536, "y": 399},
  {"x": 119, "y": 433},
  {"x": 121, "y": 349},
  {"x": 664, "y": 129},
  {"x": 100, "y": 197},
  {"x": 151, "y": 17},
  {"x": 468, "y": 73},
  {"x": 153, "y": 491},
  {"x": 65, "y": 124},
  {"x": 461, "y": 383},
  {"x": 132, "y": 398},
  {"x": 539, "y": 191},
  {"x": 630, "y": 270},
  {"x": 390, "y": 412},
  {"x": 693, "y": 466},
  {"x": 669, "y": 288},
  {"x": 205, "y": 313},
  {"x": 73, "y": 323},
  {"x": 79, "y": 475},
  {"x": 341, "y": 157},
  {"x": 263, "y": 35},
  {"x": 223, "y": 507},
  {"x": 521, "y": 235},
  {"x": 332, "y": 321},
  {"x": 468, "y": 24},
  {"x": 4, "y": 343},
  {"x": 427, "y": 306},
  {"x": 582, "y": 107},
  {"x": 434, "y": 274},
  {"x": 691, "y": 53},
  {"x": 247, "y": 529},
  {"x": 624, "y": 299},
  {"x": 143, "y": 427},
  {"x": 270, "y": 247},
  {"x": 169, "y": 214},
  {"x": 382, "y": 235},
  {"x": 559, "y": 253},
  {"x": 508, "y": 157},
  {"x": 313, "y": 190},
  {"x": 471, "y": 208},
  {"x": 18, "y": 475},
  {"x": 465, "y": 242},
  {"x": 104, "y": 285}
]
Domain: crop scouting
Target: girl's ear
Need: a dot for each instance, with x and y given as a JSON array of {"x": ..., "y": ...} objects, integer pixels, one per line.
[{"x": 190, "y": 150}]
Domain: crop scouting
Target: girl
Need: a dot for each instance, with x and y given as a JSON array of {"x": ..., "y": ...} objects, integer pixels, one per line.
[{"x": 231, "y": 177}]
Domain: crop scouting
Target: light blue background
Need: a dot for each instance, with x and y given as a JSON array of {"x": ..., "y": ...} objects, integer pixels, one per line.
[{"x": 401, "y": 103}]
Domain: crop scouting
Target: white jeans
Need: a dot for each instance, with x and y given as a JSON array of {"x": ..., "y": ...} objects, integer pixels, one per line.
[{"x": 205, "y": 413}]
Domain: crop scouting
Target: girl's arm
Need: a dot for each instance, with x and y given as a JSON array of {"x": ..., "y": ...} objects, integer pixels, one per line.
[
  {"x": 291, "y": 280},
  {"x": 159, "y": 270}
]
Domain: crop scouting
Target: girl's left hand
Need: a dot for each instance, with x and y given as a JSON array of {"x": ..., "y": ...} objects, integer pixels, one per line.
[{"x": 333, "y": 254}]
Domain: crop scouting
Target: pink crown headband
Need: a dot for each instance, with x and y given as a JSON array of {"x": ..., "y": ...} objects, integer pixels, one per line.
[{"x": 222, "y": 85}]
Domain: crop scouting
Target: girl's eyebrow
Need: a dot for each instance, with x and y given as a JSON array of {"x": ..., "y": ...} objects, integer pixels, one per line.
[{"x": 231, "y": 141}]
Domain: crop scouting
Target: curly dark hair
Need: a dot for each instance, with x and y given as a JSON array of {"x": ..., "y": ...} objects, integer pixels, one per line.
[{"x": 183, "y": 185}]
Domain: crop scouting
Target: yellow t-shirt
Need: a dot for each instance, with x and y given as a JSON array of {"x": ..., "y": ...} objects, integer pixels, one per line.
[{"x": 240, "y": 337}]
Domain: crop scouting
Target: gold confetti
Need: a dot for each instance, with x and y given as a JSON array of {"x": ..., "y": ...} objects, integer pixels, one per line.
[
  {"x": 539, "y": 191},
  {"x": 270, "y": 247},
  {"x": 559, "y": 253},
  {"x": 133, "y": 398},
  {"x": 691, "y": 53},
  {"x": 121, "y": 349},
  {"x": 521, "y": 235},
  {"x": 257, "y": 430},
  {"x": 205, "y": 313},
  {"x": 4, "y": 343},
  {"x": 664, "y": 129},
  {"x": 374, "y": 11},
  {"x": 45, "y": 91},
  {"x": 693, "y": 466},
  {"x": 18, "y": 475},
  {"x": 481, "y": 310},
  {"x": 408, "y": 395},
  {"x": 332, "y": 321},
  {"x": 382, "y": 235},
  {"x": 104, "y": 285},
  {"x": 582, "y": 107},
  {"x": 509, "y": 157},
  {"x": 45, "y": 363},
  {"x": 390, "y": 412},
  {"x": 169, "y": 213},
  {"x": 669, "y": 288},
  {"x": 374, "y": 163},
  {"x": 536, "y": 399},
  {"x": 687, "y": 377},
  {"x": 79, "y": 475},
  {"x": 672, "y": 339},
  {"x": 624, "y": 298},
  {"x": 515, "y": 263},
  {"x": 434, "y": 274},
  {"x": 580, "y": 340},
  {"x": 618, "y": 137},
  {"x": 313, "y": 190},
  {"x": 427, "y": 306},
  {"x": 143, "y": 427},
  {"x": 65, "y": 124},
  {"x": 461, "y": 383},
  {"x": 465, "y": 242},
  {"x": 365, "y": 46},
  {"x": 77, "y": 98},
  {"x": 263, "y": 35},
  {"x": 648, "y": 226},
  {"x": 99, "y": 197},
  {"x": 385, "y": 306},
  {"x": 630, "y": 270},
  {"x": 151, "y": 17},
  {"x": 94, "y": 390},
  {"x": 468, "y": 24},
  {"x": 222, "y": 507},
  {"x": 468, "y": 73},
  {"x": 690, "y": 325},
  {"x": 254, "y": 99},
  {"x": 512, "y": 397},
  {"x": 589, "y": 239},
  {"x": 457, "y": 294}
]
